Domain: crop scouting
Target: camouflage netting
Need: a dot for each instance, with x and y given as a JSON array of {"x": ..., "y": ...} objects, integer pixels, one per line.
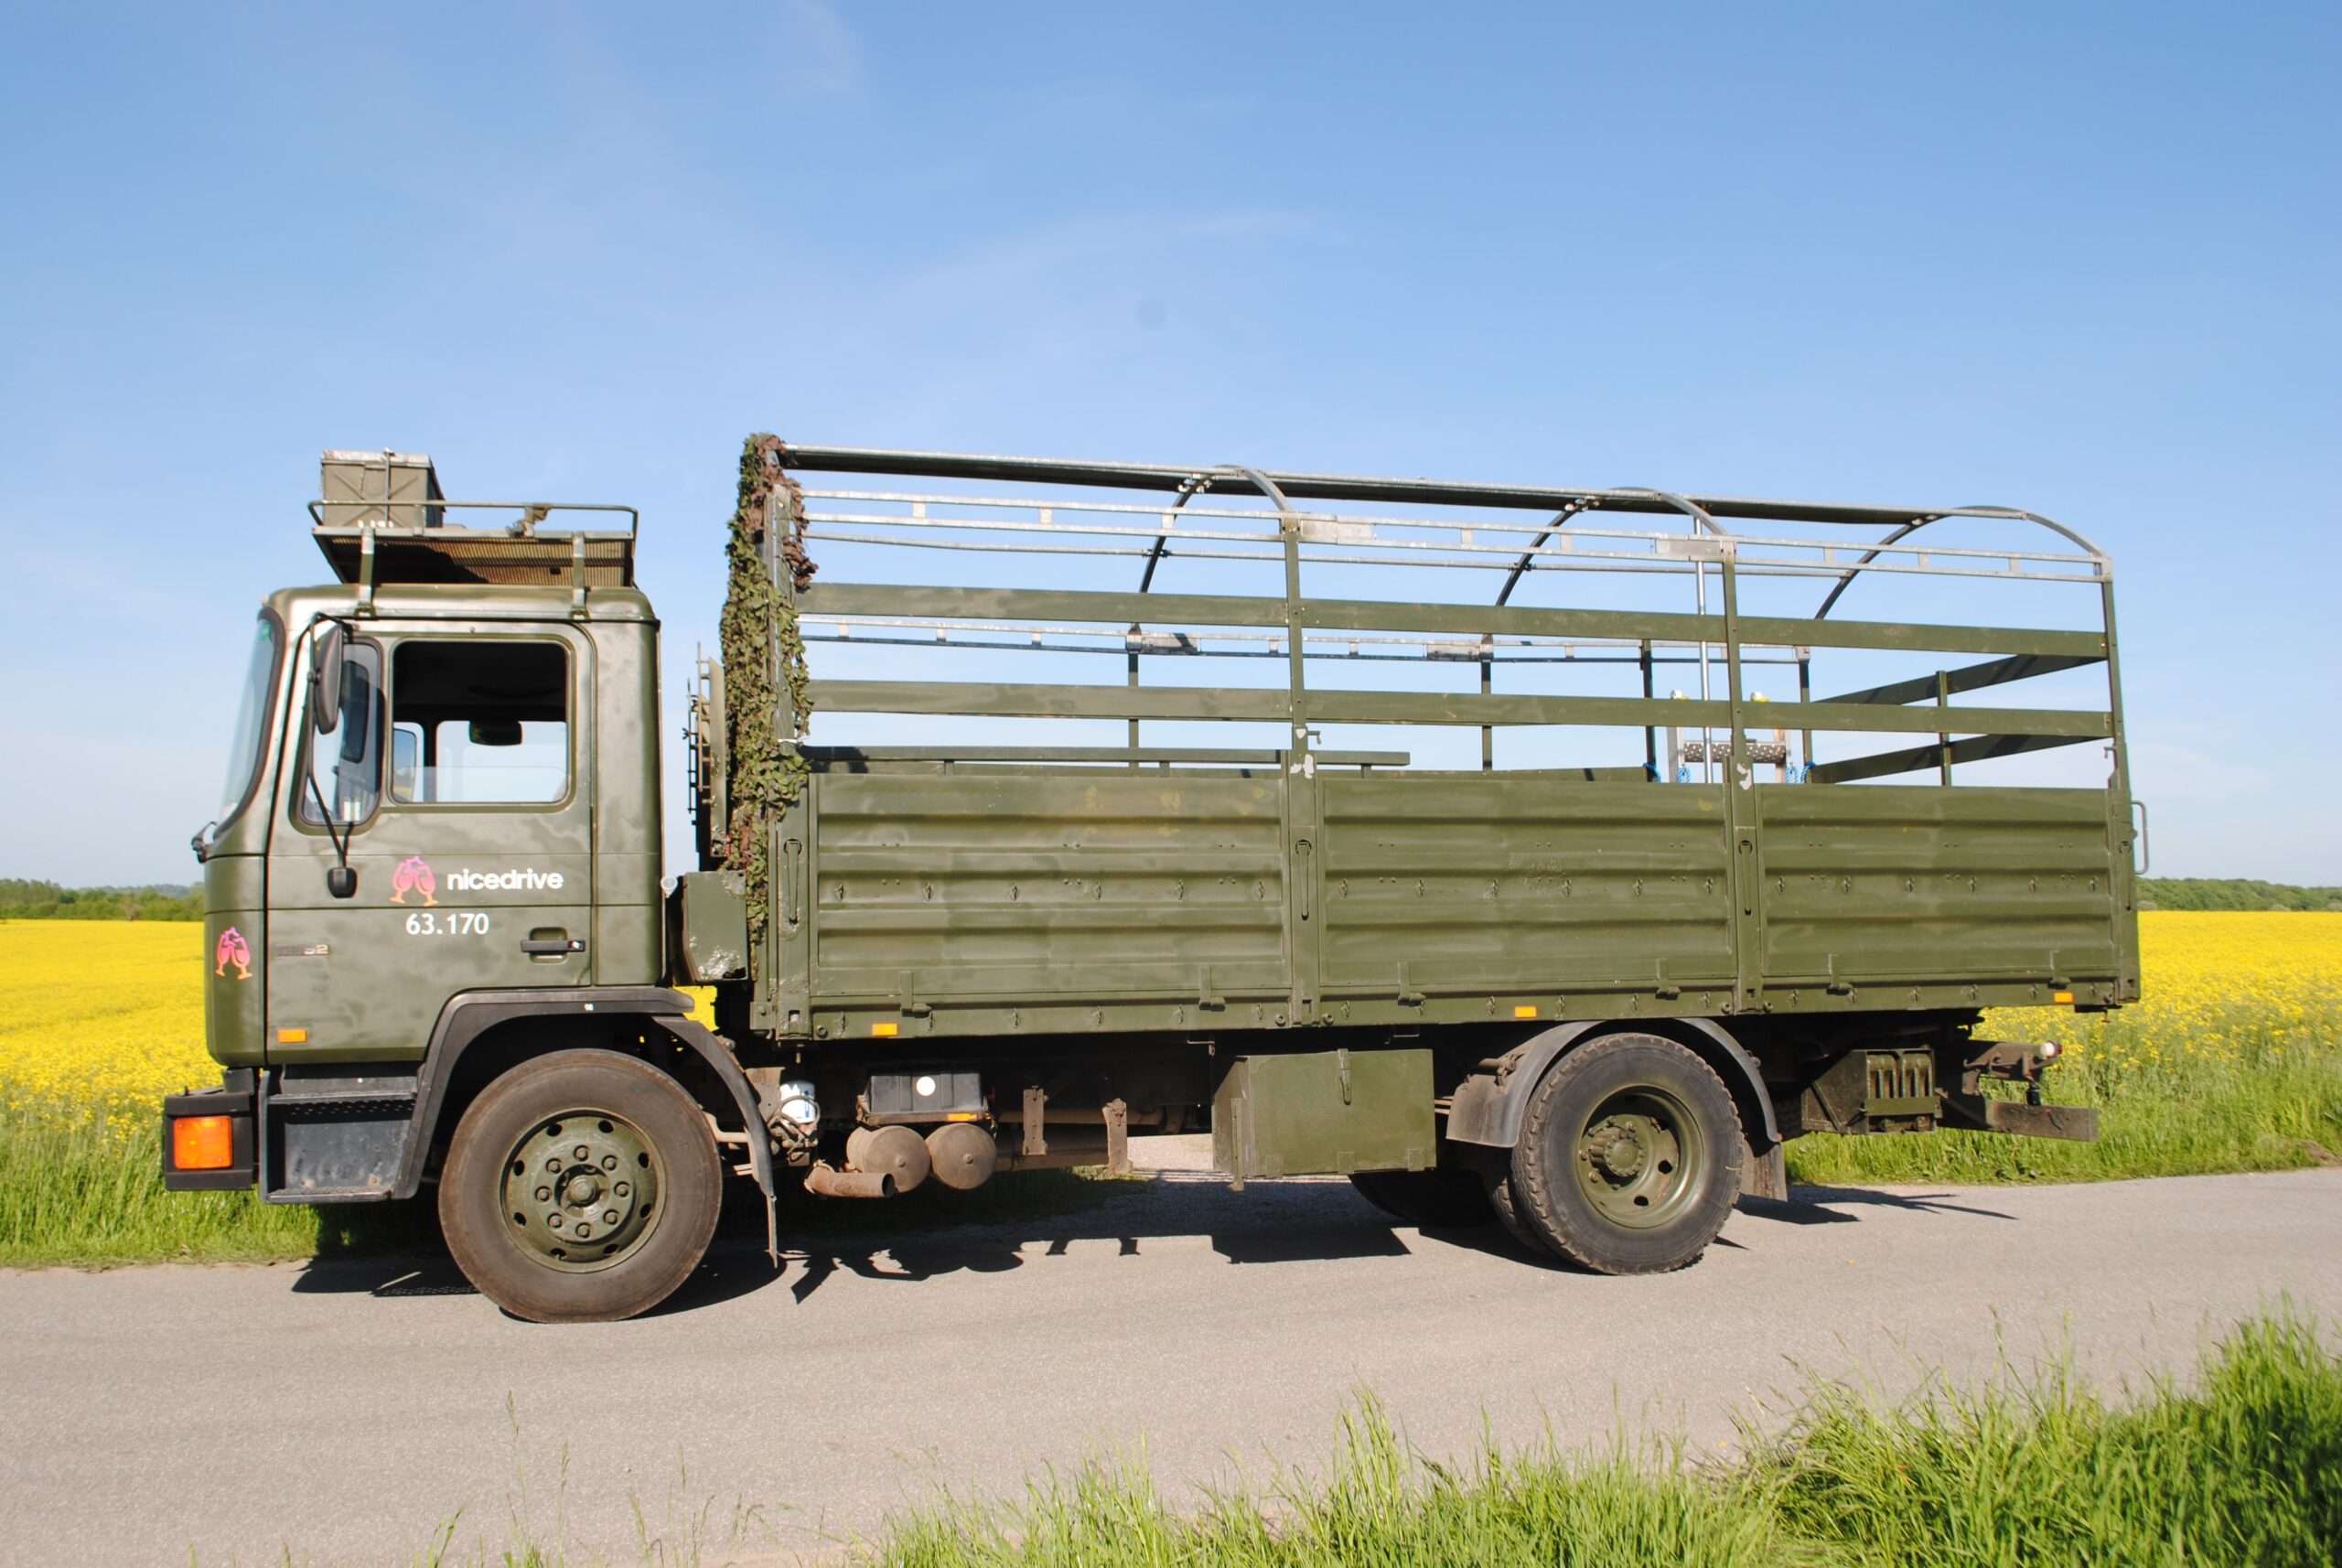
[{"x": 762, "y": 651}]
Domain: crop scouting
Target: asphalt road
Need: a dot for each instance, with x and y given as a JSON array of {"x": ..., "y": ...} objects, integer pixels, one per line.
[{"x": 345, "y": 1411}]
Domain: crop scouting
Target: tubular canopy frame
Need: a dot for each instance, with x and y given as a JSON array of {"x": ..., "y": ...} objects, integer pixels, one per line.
[{"x": 1560, "y": 540}]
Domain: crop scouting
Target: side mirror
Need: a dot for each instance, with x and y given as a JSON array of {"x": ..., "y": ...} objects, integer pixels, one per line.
[
  {"x": 496, "y": 732},
  {"x": 325, "y": 683},
  {"x": 341, "y": 881}
]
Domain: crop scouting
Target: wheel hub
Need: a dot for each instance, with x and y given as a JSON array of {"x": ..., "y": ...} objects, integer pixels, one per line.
[
  {"x": 580, "y": 1190},
  {"x": 1618, "y": 1152},
  {"x": 1639, "y": 1157}
]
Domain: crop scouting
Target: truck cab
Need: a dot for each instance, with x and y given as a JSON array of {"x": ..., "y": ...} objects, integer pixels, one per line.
[{"x": 443, "y": 815}]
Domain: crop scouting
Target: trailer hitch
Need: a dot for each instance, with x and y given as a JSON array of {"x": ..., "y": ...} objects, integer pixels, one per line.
[{"x": 2015, "y": 1062}]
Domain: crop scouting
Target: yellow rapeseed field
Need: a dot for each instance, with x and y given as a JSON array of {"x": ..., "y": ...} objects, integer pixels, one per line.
[
  {"x": 2218, "y": 985},
  {"x": 108, "y": 1016},
  {"x": 103, "y": 1016}
]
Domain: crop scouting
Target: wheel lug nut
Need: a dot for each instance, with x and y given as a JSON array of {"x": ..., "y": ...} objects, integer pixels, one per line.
[
  {"x": 609, "y": 1161},
  {"x": 609, "y": 1217},
  {"x": 553, "y": 1165},
  {"x": 554, "y": 1221},
  {"x": 544, "y": 1195},
  {"x": 583, "y": 1151},
  {"x": 583, "y": 1231},
  {"x": 622, "y": 1189}
]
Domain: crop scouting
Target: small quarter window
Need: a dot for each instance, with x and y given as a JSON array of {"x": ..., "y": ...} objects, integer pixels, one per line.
[{"x": 480, "y": 723}]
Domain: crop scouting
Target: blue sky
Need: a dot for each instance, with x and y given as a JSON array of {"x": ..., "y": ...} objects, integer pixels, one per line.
[{"x": 2079, "y": 259}]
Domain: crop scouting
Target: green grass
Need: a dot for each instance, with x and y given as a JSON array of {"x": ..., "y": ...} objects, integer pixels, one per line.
[
  {"x": 2266, "y": 1101},
  {"x": 2244, "y": 1467},
  {"x": 74, "y": 1191}
]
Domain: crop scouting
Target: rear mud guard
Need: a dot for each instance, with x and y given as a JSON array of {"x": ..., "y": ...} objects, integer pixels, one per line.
[{"x": 1488, "y": 1106}]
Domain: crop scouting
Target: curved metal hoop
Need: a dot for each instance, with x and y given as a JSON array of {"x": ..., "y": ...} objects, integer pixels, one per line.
[
  {"x": 1189, "y": 488},
  {"x": 1576, "y": 510},
  {"x": 2007, "y": 514}
]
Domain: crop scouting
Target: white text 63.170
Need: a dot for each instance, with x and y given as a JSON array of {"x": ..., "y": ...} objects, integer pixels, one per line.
[{"x": 451, "y": 923}]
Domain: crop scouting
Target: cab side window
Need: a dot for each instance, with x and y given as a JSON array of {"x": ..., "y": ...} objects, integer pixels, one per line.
[
  {"x": 344, "y": 771},
  {"x": 480, "y": 722}
]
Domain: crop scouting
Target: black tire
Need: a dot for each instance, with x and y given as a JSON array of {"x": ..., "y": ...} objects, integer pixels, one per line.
[
  {"x": 514, "y": 1198},
  {"x": 1508, "y": 1213},
  {"x": 1433, "y": 1199},
  {"x": 1630, "y": 1157}
]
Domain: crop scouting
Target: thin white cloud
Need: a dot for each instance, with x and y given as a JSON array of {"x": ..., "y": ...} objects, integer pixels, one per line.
[{"x": 821, "y": 54}]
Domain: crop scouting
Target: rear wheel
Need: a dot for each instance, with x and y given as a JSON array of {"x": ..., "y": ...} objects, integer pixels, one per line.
[
  {"x": 1437, "y": 1199},
  {"x": 1630, "y": 1155},
  {"x": 582, "y": 1187}
]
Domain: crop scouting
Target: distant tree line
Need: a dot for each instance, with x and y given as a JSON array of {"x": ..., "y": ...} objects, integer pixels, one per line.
[
  {"x": 24, "y": 900},
  {"x": 2232, "y": 893}
]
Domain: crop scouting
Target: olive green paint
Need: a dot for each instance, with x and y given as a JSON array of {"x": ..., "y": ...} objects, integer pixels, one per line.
[{"x": 1204, "y": 892}]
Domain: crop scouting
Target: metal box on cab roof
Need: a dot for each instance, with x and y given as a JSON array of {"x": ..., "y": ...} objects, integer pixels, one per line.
[{"x": 383, "y": 488}]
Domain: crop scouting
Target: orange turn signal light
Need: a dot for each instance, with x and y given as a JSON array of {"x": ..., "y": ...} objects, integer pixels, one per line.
[{"x": 202, "y": 1143}]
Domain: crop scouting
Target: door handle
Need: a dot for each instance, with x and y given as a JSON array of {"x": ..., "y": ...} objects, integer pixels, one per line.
[
  {"x": 793, "y": 865},
  {"x": 1300, "y": 849},
  {"x": 548, "y": 947}
]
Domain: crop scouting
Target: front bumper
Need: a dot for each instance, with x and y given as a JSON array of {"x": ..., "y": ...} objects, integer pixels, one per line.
[{"x": 233, "y": 1102}]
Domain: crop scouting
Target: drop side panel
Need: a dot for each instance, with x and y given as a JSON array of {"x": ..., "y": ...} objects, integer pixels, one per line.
[
  {"x": 1914, "y": 886},
  {"x": 1496, "y": 882},
  {"x": 1089, "y": 887}
]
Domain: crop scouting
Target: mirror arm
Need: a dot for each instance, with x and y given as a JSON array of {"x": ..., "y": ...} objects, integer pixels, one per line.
[{"x": 342, "y": 882}]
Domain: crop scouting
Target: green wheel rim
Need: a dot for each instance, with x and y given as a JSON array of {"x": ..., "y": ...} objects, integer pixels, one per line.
[
  {"x": 1640, "y": 1158},
  {"x": 580, "y": 1190}
]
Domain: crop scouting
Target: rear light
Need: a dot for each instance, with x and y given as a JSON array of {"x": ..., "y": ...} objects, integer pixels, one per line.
[{"x": 202, "y": 1143}]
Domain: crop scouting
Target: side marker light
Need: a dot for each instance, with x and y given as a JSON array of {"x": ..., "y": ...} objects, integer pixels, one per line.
[
  {"x": 883, "y": 1030},
  {"x": 202, "y": 1143},
  {"x": 1524, "y": 1011},
  {"x": 292, "y": 1036},
  {"x": 2061, "y": 997}
]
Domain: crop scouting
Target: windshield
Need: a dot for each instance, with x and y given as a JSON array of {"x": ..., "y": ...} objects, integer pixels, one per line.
[{"x": 251, "y": 719}]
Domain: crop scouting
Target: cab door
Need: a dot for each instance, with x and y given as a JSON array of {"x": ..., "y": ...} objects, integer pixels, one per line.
[{"x": 458, "y": 779}]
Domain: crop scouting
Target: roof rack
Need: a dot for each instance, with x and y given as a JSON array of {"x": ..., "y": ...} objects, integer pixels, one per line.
[{"x": 382, "y": 519}]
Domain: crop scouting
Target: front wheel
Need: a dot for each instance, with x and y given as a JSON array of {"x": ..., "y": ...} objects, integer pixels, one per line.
[
  {"x": 1630, "y": 1155},
  {"x": 581, "y": 1187}
]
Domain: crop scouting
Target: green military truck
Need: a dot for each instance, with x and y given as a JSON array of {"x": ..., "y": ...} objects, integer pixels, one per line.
[{"x": 1436, "y": 834}]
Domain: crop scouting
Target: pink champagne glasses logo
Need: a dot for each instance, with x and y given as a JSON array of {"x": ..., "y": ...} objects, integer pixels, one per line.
[
  {"x": 233, "y": 949},
  {"x": 413, "y": 875}
]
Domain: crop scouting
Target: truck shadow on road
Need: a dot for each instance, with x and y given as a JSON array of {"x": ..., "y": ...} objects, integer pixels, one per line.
[
  {"x": 1813, "y": 1204},
  {"x": 1269, "y": 1223}
]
